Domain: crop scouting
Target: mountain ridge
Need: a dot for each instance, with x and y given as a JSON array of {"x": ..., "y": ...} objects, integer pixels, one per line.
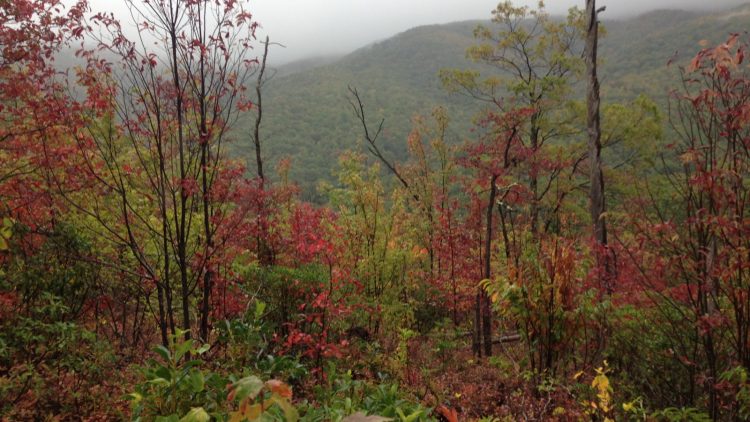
[{"x": 307, "y": 116}]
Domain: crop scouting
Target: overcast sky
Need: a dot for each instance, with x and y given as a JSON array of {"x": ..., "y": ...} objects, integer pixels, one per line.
[{"x": 325, "y": 27}]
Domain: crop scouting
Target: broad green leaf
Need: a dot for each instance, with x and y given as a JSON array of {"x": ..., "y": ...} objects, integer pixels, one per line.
[
  {"x": 158, "y": 381},
  {"x": 163, "y": 352},
  {"x": 203, "y": 349},
  {"x": 197, "y": 382},
  {"x": 247, "y": 387},
  {"x": 163, "y": 372},
  {"x": 191, "y": 363},
  {"x": 401, "y": 414},
  {"x": 260, "y": 307},
  {"x": 411, "y": 418},
  {"x": 182, "y": 348},
  {"x": 196, "y": 414}
]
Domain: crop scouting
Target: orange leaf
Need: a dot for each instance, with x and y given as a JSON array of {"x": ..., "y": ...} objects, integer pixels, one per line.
[
  {"x": 280, "y": 388},
  {"x": 449, "y": 414}
]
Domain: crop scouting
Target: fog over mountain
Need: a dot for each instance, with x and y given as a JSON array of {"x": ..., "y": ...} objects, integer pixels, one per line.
[{"x": 333, "y": 27}]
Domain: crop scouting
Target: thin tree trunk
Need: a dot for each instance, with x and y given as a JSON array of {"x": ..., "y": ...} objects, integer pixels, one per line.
[
  {"x": 162, "y": 315},
  {"x": 181, "y": 218},
  {"x": 164, "y": 286},
  {"x": 596, "y": 193},
  {"x": 264, "y": 250},
  {"x": 206, "y": 187},
  {"x": 259, "y": 113}
]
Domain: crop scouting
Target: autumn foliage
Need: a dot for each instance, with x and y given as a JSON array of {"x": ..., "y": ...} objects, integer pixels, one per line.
[{"x": 138, "y": 260}]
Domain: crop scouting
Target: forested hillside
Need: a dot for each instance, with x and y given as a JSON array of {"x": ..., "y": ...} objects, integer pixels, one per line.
[
  {"x": 552, "y": 223},
  {"x": 309, "y": 118}
]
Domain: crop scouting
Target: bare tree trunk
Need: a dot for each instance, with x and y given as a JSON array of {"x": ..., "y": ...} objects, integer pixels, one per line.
[
  {"x": 205, "y": 158},
  {"x": 162, "y": 316},
  {"x": 259, "y": 113},
  {"x": 181, "y": 215},
  {"x": 166, "y": 316},
  {"x": 264, "y": 250},
  {"x": 596, "y": 193}
]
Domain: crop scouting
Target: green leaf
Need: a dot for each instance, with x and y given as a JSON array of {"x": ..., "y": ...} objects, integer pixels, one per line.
[
  {"x": 196, "y": 414},
  {"x": 163, "y": 372},
  {"x": 163, "y": 352},
  {"x": 182, "y": 348},
  {"x": 203, "y": 349},
  {"x": 6, "y": 230},
  {"x": 401, "y": 414},
  {"x": 247, "y": 387},
  {"x": 158, "y": 381},
  {"x": 191, "y": 363},
  {"x": 411, "y": 418},
  {"x": 260, "y": 307},
  {"x": 197, "y": 382}
]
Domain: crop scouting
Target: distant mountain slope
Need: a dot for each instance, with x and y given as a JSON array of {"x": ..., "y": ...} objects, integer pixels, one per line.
[
  {"x": 635, "y": 52},
  {"x": 303, "y": 65},
  {"x": 307, "y": 116}
]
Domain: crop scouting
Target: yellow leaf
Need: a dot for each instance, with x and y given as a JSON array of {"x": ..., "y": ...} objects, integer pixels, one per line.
[
  {"x": 253, "y": 412},
  {"x": 290, "y": 413},
  {"x": 688, "y": 157}
]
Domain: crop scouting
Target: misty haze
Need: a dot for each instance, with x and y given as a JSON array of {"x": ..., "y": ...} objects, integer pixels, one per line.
[{"x": 336, "y": 27}]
